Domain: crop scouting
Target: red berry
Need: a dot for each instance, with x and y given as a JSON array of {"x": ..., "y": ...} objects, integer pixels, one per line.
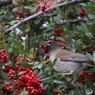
[
  {"x": 3, "y": 57},
  {"x": 46, "y": 57},
  {"x": 46, "y": 50},
  {"x": 23, "y": 35},
  {"x": 83, "y": 12},
  {"x": 42, "y": 45},
  {"x": 61, "y": 34},
  {"x": 43, "y": 8},
  {"x": 20, "y": 14}
]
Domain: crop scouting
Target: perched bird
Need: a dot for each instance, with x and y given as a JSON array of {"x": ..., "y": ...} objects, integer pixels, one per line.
[{"x": 67, "y": 62}]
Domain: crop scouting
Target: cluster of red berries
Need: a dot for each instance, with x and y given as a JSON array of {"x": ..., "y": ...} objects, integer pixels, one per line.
[
  {"x": 58, "y": 32},
  {"x": 43, "y": 8},
  {"x": 44, "y": 47},
  {"x": 89, "y": 49},
  {"x": 20, "y": 14},
  {"x": 83, "y": 12},
  {"x": 84, "y": 74},
  {"x": 14, "y": 56},
  {"x": 1, "y": 25},
  {"x": 3, "y": 57},
  {"x": 23, "y": 78},
  {"x": 9, "y": 90},
  {"x": 61, "y": 42},
  {"x": 58, "y": 92}
]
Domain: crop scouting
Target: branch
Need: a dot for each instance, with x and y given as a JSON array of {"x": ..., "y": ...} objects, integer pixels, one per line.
[
  {"x": 40, "y": 12},
  {"x": 5, "y": 2},
  {"x": 68, "y": 3},
  {"x": 72, "y": 21},
  {"x": 64, "y": 22}
]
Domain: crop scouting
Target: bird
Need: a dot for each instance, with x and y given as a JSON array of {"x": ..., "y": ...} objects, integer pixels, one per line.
[{"x": 67, "y": 62}]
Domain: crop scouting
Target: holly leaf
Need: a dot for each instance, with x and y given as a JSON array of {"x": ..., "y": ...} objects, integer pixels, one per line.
[
  {"x": 22, "y": 72},
  {"x": 4, "y": 75},
  {"x": 89, "y": 83}
]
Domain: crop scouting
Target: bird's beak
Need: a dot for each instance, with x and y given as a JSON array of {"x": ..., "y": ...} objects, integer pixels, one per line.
[{"x": 49, "y": 42}]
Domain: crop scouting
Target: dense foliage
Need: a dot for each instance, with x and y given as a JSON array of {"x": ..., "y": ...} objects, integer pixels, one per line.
[{"x": 25, "y": 68}]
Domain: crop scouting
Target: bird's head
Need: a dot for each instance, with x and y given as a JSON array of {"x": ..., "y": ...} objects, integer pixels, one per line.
[{"x": 52, "y": 45}]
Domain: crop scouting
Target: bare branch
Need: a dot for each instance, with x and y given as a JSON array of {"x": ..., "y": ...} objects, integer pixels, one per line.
[
  {"x": 22, "y": 22},
  {"x": 5, "y": 2},
  {"x": 40, "y": 12},
  {"x": 64, "y": 22},
  {"x": 72, "y": 21},
  {"x": 68, "y": 3}
]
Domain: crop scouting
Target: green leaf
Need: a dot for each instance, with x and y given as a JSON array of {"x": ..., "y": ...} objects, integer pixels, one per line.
[
  {"x": 13, "y": 22},
  {"x": 31, "y": 55},
  {"x": 28, "y": 27},
  {"x": 16, "y": 44},
  {"x": 57, "y": 81},
  {"x": 54, "y": 62},
  {"x": 15, "y": 2},
  {"x": 22, "y": 72},
  {"x": 79, "y": 49},
  {"x": 89, "y": 55},
  {"x": 38, "y": 66},
  {"x": 89, "y": 83},
  {"x": 93, "y": 54},
  {"x": 84, "y": 26},
  {"x": 67, "y": 11},
  {"x": 45, "y": 79},
  {"x": 25, "y": 64},
  {"x": 32, "y": 91},
  {"x": 7, "y": 64},
  {"x": 42, "y": 59},
  {"x": 27, "y": 7},
  {"x": 58, "y": 10},
  {"x": 61, "y": 38},
  {"x": 24, "y": 92},
  {"x": 90, "y": 7},
  {"x": 91, "y": 16},
  {"x": 4, "y": 75},
  {"x": 50, "y": 64}
]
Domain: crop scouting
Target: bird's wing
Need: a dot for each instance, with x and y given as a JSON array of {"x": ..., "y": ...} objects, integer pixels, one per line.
[
  {"x": 77, "y": 59},
  {"x": 66, "y": 55}
]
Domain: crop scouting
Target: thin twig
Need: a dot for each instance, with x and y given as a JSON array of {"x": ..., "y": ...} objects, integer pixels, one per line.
[
  {"x": 64, "y": 22},
  {"x": 11, "y": 12},
  {"x": 28, "y": 39}
]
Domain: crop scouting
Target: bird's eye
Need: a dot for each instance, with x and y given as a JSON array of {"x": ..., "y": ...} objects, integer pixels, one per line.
[{"x": 51, "y": 42}]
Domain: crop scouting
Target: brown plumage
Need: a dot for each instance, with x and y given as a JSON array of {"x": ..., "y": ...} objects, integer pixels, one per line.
[{"x": 66, "y": 54}]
